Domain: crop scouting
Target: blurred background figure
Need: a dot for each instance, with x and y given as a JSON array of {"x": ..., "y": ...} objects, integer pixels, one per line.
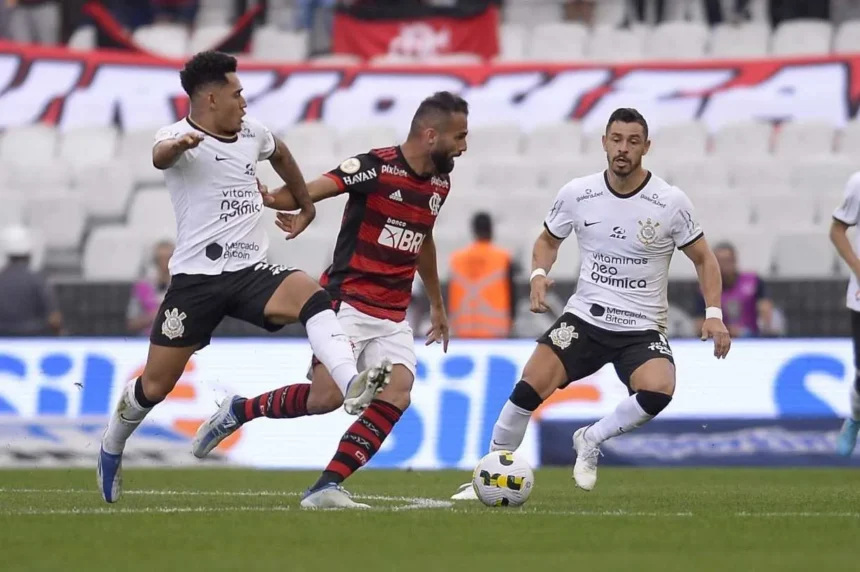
[
  {"x": 28, "y": 305},
  {"x": 481, "y": 288},
  {"x": 33, "y": 21},
  {"x": 148, "y": 292}
]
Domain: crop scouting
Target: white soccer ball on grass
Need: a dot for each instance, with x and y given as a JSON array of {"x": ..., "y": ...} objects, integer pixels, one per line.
[{"x": 503, "y": 478}]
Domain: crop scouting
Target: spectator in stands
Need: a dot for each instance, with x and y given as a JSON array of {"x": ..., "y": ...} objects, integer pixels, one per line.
[
  {"x": 481, "y": 293},
  {"x": 844, "y": 10},
  {"x": 148, "y": 293},
  {"x": 747, "y": 311},
  {"x": 782, "y": 10},
  {"x": 580, "y": 11},
  {"x": 739, "y": 11},
  {"x": 645, "y": 11},
  {"x": 34, "y": 21},
  {"x": 174, "y": 11},
  {"x": 28, "y": 305}
]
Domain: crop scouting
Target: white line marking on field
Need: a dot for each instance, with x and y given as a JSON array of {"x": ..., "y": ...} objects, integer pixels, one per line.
[{"x": 146, "y": 510}]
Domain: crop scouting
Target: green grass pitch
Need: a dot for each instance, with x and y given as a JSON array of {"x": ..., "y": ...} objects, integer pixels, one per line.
[{"x": 735, "y": 520}]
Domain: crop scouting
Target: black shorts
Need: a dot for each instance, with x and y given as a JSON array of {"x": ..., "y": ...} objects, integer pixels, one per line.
[
  {"x": 195, "y": 304},
  {"x": 584, "y": 348},
  {"x": 855, "y": 334}
]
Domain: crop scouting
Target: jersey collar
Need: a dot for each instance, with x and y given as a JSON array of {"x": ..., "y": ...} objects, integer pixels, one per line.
[
  {"x": 634, "y": 193},
  {"x": 408, "y": 168},
  {"x": 220, "y": 138}
]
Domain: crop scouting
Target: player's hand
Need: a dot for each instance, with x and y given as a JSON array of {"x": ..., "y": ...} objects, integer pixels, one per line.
[
  {"x": 295, "y": 223},
  {"x": 539, "y": 287},
  {"x": 268, "y": 200},
  {"x": 438, "y": 331},
  {"x": 190, "y": 140},
  {"x": 716, "y": 329}
]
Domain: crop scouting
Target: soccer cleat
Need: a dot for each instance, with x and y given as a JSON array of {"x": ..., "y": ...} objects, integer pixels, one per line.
[
  {"x": 465, "y": 492},
  {"x": 847, "y": 439},
  {"x": 365, "y": 386},
  {"x": 217, "y": 428},
  {"x": 585, "y": 469},
  {"x": 329, "y": 496},
  {"x": 109, "y": 476}
]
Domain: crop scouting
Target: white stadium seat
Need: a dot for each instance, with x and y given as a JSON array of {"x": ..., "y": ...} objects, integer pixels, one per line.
[
  {"x": 817, "y": 175},
  {"x": 207, "y": 37},
  {"x": 684, "y": 138},
  {"x": 507, "y": 174},
  {"x": 83, "y": 38},
  {"x": 493, "y": 141},
  {"x": 848, "y": 141},
  {"x": 754, "y": 247},
  {"x": 553, "y": 141},
  {"x": 796, "y": 139},
  {"x": 273, "y": 44},
  {"x": 113, "y": 252},
  {"x": 698, "y": 176},
  {"x": 89, "y": 145},
  {"x": 802, "y": 38},
  {"x": 311, "y": 141},
  {"x": 558, "y": 42},
  {"x": 677, "y": 41},
  {"x": 151, "y": 214},
  {"x": 29, "y": 144},
  {"x": 776, "y": 211},
  {"x": 749, "y": 40},
  {"x": 804, "y": 255},
  {"x": 163, "y": 39},
  {"x": 747, "y": 139},
  {"x": 14, "y": 211},
  {"x": 847, "y": 38},
  {"x": 512, "y": 39},
  {"x": 363, "y": 139},
  {"x": 762, "y": 173},
  {"x": 105, "y": 189},
  {"x": 59, "y": 219},
  {"x": 616, "y": 45}
]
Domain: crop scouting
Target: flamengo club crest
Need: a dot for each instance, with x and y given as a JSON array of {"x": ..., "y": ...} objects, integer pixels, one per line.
[
  {"x": 172, "y": 327},
  {"x": 563, "y": 335},
  {"x": 435, "y": 204},
  {"x": 647, "y": 231}
]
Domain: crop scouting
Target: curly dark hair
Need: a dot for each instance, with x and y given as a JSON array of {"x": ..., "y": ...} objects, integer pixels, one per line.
[{"x": 206, "y": 68}]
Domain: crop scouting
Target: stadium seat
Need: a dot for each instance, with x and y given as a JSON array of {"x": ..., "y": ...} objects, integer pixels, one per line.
[
  {"x": 58, "y": 218},
  {"x": 507, "y": 174},
  {"x": 609, "y": 44},
  {"x": 557, "y": 42},
  {"x": 698, "y": 176},
  {"x": 105, "y": 189},
  {"x": 83, "y": 39},
  {"x": 684, "y": 139},
  {"x": 311, "y": 141},
  {"x": 466, "y": 174},
  {"x": 531, "y": 13},
  {"x": 610, "y": 13},
  {"x": 88, "y": 145},
  {"x": 273, "y": 44},
  {"x": 113, "y": 253},
  {"x": 749, "y": 139},
  {"x": 492, "y": 141},
  {"x": 847, "y": 38},
  {"x": 363, "y": 139},
  {"x": 677, "y": 41},
  {"x": 14, "y": 204},
  {"x": 212, "y": 13},
  {"x": 553, "y": 175},
  {"x": 776, "y": 211},
  {"x": 848, "y": 141},
  {"x": 163, "y": 39},
  {"x": 28, "y": 144},
  {"x": 207, "y": 37},
  {"x": 553, "y": 141},
  {"x": 804, "y": 255},
  {"x": 759, "y": 173},
  {"x": 137, "y": 142},
  {"x": 38, "y": 178},
  {"x": 721, "y": 209},
  {"x": 797, "y": 139},
  {"x": 151, "y": 214},
  {"x": 802, "y": 38},
  {"x": 816, "y": 175},
  {"x": 512, "y": 39},
  {"x": 749, "y": 40},
  {"x": 754, "y": 247}
]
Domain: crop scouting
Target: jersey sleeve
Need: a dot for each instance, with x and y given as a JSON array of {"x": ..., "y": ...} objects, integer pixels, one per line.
[
  {"x": 849, "y": 211},
  {"x": 266, "y": 141},
  {"x": 174, "y": 131},
  {"x": 559, "y": 219},
  {"x": 357, "y": 174},
  {"x": 685, "y": 228}
]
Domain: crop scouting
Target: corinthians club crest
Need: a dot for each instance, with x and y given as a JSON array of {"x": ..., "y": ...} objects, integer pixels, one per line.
[
  {"x": 563, "y": 335},
  {"x": 172, "y": 327},
  {"x": 647, "y": 231}
]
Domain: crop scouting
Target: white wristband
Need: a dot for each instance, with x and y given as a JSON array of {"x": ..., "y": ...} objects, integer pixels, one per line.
[
  {"x": 713, "y": 312},
  {"x": 537, "y": 272}
]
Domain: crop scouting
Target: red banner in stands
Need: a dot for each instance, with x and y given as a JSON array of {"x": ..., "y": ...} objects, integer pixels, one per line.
[
  {"x": 70, "y": 89},
  {"x": 420, "y": 37}
]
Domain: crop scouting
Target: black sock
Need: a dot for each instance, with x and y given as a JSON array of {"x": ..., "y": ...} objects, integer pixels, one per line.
[
  {"x": 141, "y": 397},
  {"x": 326, "y": 478}
]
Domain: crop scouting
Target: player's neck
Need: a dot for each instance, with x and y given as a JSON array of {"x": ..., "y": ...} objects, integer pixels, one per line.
[
  {"x": 206, "y": 124},
  {"x": 417, "y": 159},
  {"x": 629, "y": 184}
]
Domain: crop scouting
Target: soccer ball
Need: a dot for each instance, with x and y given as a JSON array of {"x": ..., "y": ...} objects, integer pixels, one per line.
[{"x": 503, "y": 478}]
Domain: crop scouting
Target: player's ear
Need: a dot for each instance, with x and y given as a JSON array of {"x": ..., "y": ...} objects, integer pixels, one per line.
[
  {"x": 603, "y": 141},
  {"x": 646, "y": 147}
]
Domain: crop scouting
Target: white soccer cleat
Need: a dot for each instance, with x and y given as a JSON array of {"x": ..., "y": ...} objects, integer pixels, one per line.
[
  {"x": 330, "y": 496},
  {"x": 465, "y": 492},
  {"x": 221, "y": 425},
  {"x": 585, "y": 469},
  {"x": 366, "y": 386}
]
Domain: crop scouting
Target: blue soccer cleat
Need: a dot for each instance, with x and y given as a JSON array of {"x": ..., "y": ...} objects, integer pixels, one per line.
[
  {"x": 847, "y": 439},
  {"x": 220, "y": 426},
  {"x": 109, "y": 476}
]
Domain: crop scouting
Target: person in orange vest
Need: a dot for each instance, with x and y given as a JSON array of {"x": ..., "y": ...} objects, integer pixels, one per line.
[{"x": 481, "y": 296}]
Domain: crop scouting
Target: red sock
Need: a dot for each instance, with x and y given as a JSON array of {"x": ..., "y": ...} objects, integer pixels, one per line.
[
  {"x": 362, "y": 440},
  {"x": 285, "y": 402}
]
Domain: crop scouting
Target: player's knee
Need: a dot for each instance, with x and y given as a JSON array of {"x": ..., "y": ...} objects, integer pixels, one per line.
[
  {"x": 157, "y": 387},
  {"x": 324, "y": 399},
  {"x": 653, "y": 402},
  {"x": 525, "y": 397},
  {"x": 319, "y": 302}
]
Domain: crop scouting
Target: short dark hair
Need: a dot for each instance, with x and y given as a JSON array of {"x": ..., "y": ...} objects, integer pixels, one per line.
[
  {"x": 726, "y": 245},
  {"x": 205, "y": 68},
  {"x": 627, "y": 115},
  {"x": 441, "y": 103},
  {"x": 482, "y": 226}
]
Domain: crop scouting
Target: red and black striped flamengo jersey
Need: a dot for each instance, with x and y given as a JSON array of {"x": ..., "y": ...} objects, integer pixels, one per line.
[{"x": 390, "y": 211}]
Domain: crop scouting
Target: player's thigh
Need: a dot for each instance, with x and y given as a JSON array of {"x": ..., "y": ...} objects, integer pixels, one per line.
[
  {"x": 565, "y": 353},
  {"x": 270, "y": 295},
  {"x": 647, "y": 365}
]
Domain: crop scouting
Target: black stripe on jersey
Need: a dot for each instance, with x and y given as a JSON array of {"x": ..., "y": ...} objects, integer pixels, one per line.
[
  {"x": 408, "y": 168},
  {"x": 549, "y": 232},
  {"x": 692, "y": 241},
  {"x": 347, "y": 241},
  {"x": 837, "y": 219},
  {"x": 633, "y": 194}
]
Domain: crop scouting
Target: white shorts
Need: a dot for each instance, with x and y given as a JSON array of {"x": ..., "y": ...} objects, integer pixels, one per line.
[{"x": 374, "y": 339}]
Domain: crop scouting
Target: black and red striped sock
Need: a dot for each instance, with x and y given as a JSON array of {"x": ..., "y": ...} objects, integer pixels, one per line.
[
  {"x": 282, "y": 403},
  {"x": 361, "y": 441}
]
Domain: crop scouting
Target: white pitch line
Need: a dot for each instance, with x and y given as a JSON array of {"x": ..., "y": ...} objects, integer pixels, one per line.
[{"x": 147, "y": 510}]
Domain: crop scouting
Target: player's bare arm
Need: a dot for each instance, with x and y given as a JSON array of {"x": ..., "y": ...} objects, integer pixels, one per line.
[
  {"x": 288, "y": 170},
  {"x": 166, "y": 153},
  {"x": 839, "y": 238},
  {"x": 711, "y": 283},
  {"x": 283, "y": 200},
  {"x": 544, "y": 255},
  {"x": 429, "y": 272}
]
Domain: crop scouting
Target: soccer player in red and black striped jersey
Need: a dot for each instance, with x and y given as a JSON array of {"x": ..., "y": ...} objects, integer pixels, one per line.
[{"x": 395, "y": 195}]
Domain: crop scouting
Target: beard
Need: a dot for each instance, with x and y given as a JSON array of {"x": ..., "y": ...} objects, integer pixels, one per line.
[
  {"x": 624, "y": 169},
  {"x": 442, "y": 162}
]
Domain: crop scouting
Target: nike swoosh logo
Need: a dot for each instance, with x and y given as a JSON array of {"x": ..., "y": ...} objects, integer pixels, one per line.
[
  {"x": 217, "y": 158},
  {"x": 587, "y": 224}
]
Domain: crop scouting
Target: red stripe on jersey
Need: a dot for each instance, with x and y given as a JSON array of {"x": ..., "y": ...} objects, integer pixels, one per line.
[{"x": 336, "y": 179}]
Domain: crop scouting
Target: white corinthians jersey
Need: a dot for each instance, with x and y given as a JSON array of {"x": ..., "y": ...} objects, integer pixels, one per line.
[
  {"x": 849, "y": 213},
  {"x": 626, "y": 243},
  {"x": 218, "y": 208}
]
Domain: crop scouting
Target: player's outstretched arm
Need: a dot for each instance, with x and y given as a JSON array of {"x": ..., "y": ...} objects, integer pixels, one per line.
[
  {"x": 288, "y": 170},
  {"x": 428, "y": 269},
  {"x": 711, "y": 284},
  {"x": 544, "y": 255},
  {"x": 839, "y": 238},
  {"x": 167, "y": 152}
]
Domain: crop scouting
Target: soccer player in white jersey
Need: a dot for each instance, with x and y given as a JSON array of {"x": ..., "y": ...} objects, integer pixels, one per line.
[
  {"x": 219, "y": 265},
  {"x": 628, "y": 223},
  {"x": 847, "y": 215}
]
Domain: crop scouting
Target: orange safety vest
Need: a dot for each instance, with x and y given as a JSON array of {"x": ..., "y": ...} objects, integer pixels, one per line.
[{"x": 479, "y": 292}]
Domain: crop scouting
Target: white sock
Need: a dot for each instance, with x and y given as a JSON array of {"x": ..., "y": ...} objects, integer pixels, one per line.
[
  {"x": 332, "y": 347},
  {"x": 855, "y": 401},
  {"x": 510, "y": 428},
  {"x": 627, "y": 416},
  {"x": 124, "y": 420}
]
